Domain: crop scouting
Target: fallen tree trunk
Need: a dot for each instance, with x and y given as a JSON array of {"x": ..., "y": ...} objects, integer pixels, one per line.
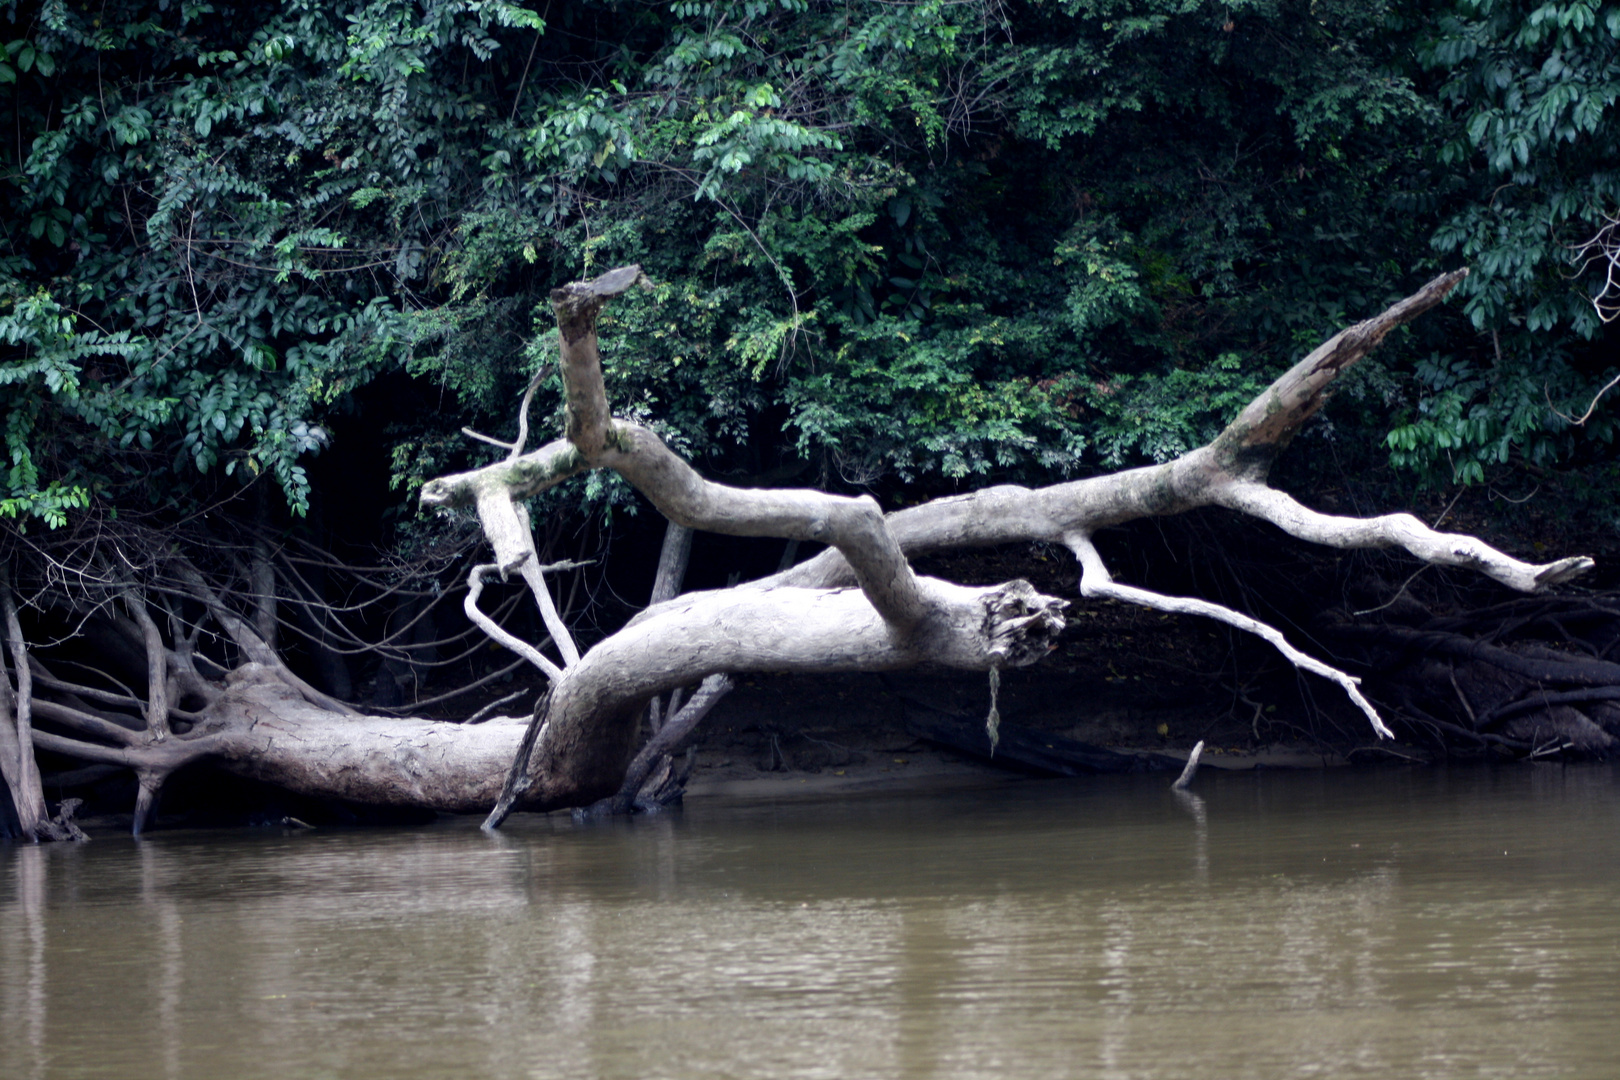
[
  {"x": 262, "y": 728},
  {"x": 858, "y": 606}
]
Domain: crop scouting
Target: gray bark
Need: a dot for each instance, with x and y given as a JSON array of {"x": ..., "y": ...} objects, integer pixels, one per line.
[
  {"x": 17, "y": 764},
  {"x": 672, "y": 560}
]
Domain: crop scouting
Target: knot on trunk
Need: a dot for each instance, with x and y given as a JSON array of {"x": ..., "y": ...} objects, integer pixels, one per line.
[{"x": 1020, "y": 624}]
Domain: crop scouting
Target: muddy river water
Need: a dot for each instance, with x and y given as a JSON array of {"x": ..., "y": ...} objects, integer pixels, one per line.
[{"x": 1400, "y": 923}]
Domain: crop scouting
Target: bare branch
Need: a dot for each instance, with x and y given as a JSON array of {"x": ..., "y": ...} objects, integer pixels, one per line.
[
  {"x": 262, "y": 582},
  {"x": 672, "y": 561},
  {"x": 475, "y": 589},
  {"x": 523, "y": 415},
  {"x": 481, "y": 437},
  {"x": 854, "y": 526},
  {"x": 1398, "y": 530},
  {"x": 534, "y": 576},
  {"x": 680, "y": 725},
  {"x": 44, "y": 679},
  {"x": 494, "y": 488},
  {"x": 1184, "y": 781},
  {"x": 1591, "y": 406},
  {"x": 1239, "y": 457},
  {"x": 1095, "y": 582},
  {"x": 450, "y": 695},
  {"x": 1603, "y": 250},
  {"x": 517, "y": 781},
  {"x": 88, "y": 723},
  {"x": 489, "y": 710},
  {"x": 253, "y": 646},
  {"x": 1250, "y": 442},
  {"x": 165, "y": 757}
]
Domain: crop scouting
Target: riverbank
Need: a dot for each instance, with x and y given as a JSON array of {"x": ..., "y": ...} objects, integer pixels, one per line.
[
  {"x": 920, "y": 768},
  {"x": 779, "y": 737}
]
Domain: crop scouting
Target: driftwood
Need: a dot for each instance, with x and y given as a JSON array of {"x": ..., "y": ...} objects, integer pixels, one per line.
[{"x": 856, "y": 606}]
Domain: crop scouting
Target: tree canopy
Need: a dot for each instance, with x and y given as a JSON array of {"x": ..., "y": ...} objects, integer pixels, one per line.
[{"x": 916, "y": 244}]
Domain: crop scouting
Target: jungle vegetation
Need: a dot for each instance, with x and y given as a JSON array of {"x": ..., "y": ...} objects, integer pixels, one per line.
[{"x": 265, "y": 266}]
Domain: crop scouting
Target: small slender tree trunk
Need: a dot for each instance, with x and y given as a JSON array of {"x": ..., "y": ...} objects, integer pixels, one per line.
[{"x": 17, "y": 713}]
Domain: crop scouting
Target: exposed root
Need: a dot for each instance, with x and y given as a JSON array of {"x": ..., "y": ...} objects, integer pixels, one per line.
[{"x": 655, "y": 753}]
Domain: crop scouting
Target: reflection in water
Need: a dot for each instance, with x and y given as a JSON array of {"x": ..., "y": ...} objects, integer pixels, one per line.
[
  {"x": 1194, "y": 805},
  {"x": 23, "y": 999},
  {"x": 1405, "y": 923},
  {"x": 164, "y": 911}
]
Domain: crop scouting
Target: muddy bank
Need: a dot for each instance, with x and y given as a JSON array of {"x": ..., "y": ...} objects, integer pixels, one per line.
[{"x": 780, "y": 737}]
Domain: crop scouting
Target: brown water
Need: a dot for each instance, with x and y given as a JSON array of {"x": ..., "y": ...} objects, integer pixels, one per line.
[{"x": 1392, "y": 924}]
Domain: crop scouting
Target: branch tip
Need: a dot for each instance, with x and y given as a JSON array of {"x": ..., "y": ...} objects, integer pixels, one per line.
[{"x": 1563, "y": 570}]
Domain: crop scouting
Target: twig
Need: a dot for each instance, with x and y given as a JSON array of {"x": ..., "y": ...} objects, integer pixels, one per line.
[
  {"x": 1400, "y": 592},
  {"x": 489, "y": 710},
  {"x": 1451, "y": 670}
]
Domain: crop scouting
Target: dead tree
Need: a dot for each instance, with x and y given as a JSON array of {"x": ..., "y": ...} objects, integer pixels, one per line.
[{"x": 857, "y": 606}]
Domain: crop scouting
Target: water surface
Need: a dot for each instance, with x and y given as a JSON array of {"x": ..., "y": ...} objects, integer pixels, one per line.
[{"x": 1424, "y": 923}]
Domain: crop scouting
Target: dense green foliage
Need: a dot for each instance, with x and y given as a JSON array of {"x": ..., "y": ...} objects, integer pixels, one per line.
[
  {"x": 930, "y": 243},
  {"x": 1526, "y": 169}
]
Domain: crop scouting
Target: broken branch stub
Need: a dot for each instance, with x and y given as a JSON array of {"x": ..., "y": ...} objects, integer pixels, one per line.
[
  {"x": 587, "y": 422},
  {"x": 1249, "y": 444}
]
